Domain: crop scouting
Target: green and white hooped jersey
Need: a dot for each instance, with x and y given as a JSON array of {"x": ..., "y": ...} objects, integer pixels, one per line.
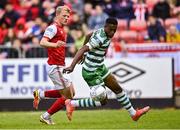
[{"x": 98, "y": 44}]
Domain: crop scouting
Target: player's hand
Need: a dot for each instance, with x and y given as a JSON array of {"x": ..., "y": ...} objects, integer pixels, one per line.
[
  {"x": 68, "y": 70},
  {"x": 60, "y": 43}
]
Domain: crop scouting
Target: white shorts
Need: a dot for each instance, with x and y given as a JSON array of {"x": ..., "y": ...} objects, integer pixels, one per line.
[{"x": 59, "y": 79}]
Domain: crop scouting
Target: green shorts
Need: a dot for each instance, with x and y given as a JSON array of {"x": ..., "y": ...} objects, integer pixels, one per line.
[{"x": 96, "y": 77}]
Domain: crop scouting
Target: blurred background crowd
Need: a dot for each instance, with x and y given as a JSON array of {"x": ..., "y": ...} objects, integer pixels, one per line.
[{"x": 22, "y": 23}]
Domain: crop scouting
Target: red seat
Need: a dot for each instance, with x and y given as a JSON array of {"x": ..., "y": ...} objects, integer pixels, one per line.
[
  {"x": 122, "y": 24},
  {"x": 128, "y": 36},
  {"x": 170, "y": 21},
  {"x": 137, "y": 25}
]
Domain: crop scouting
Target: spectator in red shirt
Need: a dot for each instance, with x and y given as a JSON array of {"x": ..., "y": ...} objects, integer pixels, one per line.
[
  {"x": 3, "y": 30},
  {"x": 20, "y": 29},
  {"x": 34, "y": 11}
]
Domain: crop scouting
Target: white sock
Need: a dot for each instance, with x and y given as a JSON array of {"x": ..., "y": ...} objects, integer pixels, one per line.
[
  {"x": 46, "y": 115},
  {"x": 75, "y": 103},
  {"x": 125, "y": 102},
  {"x": 86, "y": 102},
  {"x": 132, "y": 111}
]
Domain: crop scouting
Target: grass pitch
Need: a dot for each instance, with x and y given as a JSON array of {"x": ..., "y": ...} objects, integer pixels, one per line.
[{"x": 93, "y": 119}]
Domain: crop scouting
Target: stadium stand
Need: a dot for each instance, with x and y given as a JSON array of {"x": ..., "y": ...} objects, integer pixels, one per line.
[
  {"x": 137, "y": 25},
  {"x": 34, "y": 16},
  {"x": 122, "y": 24},
  {"x": 128, "y": 36}
]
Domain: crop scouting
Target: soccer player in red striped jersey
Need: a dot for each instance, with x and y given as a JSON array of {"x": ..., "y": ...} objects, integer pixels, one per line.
[{"x": 54, "y": 39}]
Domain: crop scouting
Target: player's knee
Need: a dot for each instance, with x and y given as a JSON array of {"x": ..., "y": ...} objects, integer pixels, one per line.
[
  {"x": 67, "y": 93},
  {"x": 119, "y": 90},
  {"x": 71, "y": 95},
  {"x": 98, "y": 93}
]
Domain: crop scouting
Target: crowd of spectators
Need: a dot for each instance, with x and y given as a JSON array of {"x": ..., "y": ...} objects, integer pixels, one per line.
[{"x": 22, "y": 22}]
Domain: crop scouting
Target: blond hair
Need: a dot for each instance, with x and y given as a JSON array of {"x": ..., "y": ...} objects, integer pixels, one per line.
[{"x": 61, "y": 8}]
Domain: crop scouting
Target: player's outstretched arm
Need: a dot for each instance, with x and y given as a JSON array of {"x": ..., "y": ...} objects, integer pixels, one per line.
[
  {"x": 85, "y": 42},
  {"x": 76, "y": 59},
  {"x": 87, "y": 38}
]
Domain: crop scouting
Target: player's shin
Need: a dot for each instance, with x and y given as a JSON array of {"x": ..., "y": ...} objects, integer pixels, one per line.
[
  {"x": 57, "y": 105},
  {"x": 85, "y": 102},
  {"x": 125, "y": 102}
]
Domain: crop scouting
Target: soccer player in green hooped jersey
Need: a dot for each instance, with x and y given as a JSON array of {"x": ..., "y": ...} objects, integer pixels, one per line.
[{"x": 95, "y": 72}]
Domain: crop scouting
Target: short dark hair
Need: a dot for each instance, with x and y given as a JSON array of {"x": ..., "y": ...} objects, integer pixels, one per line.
[{"x": 111, "y": 21}]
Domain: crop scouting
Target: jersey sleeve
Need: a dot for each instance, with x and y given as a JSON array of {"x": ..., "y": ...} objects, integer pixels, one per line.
[
  {"x": 94, "y": 41},
  {"x": 50, "y": 31}
]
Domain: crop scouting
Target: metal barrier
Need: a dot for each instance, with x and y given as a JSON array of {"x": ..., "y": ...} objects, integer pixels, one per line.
[
  {"x": 34, "y": 52},
  {"x": 9, "y": 52},
  {"x": 29, "y": 51}
]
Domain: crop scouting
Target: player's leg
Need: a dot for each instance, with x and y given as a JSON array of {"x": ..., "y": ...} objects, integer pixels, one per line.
[
  {"x": 39, "y": 94},
  {"x": 93, "y": 79},
  {"x": 58, "y": 105},
  {"x": 122, "y": 97},
  {"x": 64, "y": 85},
  {"x": 87, "y": 102},
  {"x": 69, "y": 93},
  {"x": 84, "y": 102},
  {"x": 55, "y": 107}
]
